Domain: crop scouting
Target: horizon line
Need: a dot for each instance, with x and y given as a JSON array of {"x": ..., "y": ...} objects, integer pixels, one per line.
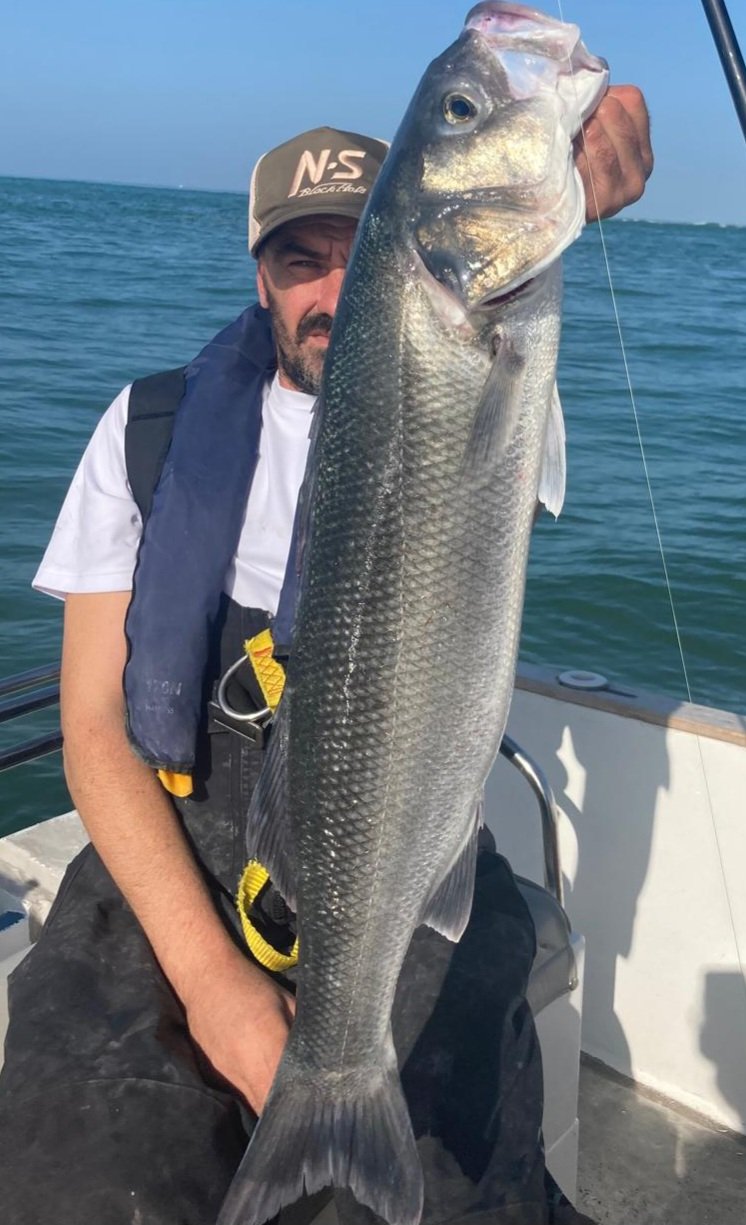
[{"x": 234, "y": 191}]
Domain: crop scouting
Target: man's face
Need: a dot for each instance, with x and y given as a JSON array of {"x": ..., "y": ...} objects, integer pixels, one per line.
[{"x": 299, "y": 276}]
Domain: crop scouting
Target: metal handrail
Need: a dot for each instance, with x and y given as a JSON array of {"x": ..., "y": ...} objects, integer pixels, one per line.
[
  {"x": 30, "y": 750},
  {"x": 36, "y": 695},
  {"x": 30, "y": 679},
  {"x": 26, "y": 705},
  {"x": 539, "y": 783}
]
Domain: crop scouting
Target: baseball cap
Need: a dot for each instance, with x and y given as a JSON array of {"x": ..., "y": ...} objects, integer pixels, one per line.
[{"x": 326, "y": 170}]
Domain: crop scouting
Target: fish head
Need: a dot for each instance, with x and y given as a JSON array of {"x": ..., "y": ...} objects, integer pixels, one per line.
[{"x": 490, "y": 133}]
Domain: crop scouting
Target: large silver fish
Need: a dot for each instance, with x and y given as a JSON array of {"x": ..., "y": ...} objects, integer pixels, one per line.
[{"x": 436, "y": 415}]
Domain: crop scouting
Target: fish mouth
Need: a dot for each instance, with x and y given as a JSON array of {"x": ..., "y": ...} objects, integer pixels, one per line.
[
  {"x": 497, "y": 19},
  {"x": 515, "y": 30},
  {"x": 540, "y": 56},
  {"x": 504, "y": 298},
  {"x": 499, "y": 204},
  {"x": 500, "y": 199}
]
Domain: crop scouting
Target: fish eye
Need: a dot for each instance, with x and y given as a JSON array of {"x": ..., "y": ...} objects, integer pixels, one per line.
[{"x": 457, "y": 108}]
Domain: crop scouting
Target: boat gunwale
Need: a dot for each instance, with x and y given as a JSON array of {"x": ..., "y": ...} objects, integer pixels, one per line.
[{"x": 654, "y": 708}]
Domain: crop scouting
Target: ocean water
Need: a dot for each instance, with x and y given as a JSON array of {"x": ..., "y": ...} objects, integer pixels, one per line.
[{"x": 100, "y": 284}]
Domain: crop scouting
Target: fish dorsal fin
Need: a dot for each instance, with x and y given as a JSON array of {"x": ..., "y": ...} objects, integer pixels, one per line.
[
  {"x": 268, "y": 833},
  {"x": 498, "y": 410},
  {"x": 449, "y": 907},
  {"x": 553, "y": 479}
]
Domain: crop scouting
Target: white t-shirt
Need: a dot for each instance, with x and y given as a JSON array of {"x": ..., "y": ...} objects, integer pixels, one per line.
[{"x": 95, "y": 540}]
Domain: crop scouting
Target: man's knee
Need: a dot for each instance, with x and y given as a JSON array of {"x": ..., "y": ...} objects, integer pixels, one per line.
[{"x": 116, "y": 1151}]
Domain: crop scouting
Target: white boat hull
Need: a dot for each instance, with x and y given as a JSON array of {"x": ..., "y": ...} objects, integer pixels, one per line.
[{"x": 653, "y": 847}]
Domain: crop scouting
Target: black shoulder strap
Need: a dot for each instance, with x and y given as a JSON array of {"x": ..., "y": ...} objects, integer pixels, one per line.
[{"x": 153, "y": 403}]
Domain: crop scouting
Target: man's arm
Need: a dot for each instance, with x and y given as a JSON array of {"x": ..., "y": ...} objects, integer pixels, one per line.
[
  {"x": 613, "y": 153},
  {"x": 235, "y": 1012}
]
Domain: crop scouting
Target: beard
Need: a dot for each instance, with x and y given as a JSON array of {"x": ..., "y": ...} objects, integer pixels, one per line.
[{"x": 302, "y": 364}]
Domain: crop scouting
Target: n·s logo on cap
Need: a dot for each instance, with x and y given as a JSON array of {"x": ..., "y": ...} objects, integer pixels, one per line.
[{"x": 351, "y": 161}]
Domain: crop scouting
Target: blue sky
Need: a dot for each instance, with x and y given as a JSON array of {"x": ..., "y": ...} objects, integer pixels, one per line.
[{"x": 171, "y": 92}]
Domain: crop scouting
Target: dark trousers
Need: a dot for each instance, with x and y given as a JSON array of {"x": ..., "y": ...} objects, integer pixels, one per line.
[{"x": 109, "y": 1113}]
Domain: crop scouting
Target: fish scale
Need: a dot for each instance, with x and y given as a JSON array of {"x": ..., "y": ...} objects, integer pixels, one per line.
[{"x": 422, "y": 486}]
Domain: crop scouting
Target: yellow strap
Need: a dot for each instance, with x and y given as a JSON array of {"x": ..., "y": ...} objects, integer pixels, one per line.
[
  {"x": 179, "y": 785},
  {"x": 270, "y": 674},
  {"x": 253, "y": 880},
  {"x": 271, "y": 678}
]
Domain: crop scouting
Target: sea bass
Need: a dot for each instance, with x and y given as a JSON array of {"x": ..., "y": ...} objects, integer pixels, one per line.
[{"x": 434, "y": 422}]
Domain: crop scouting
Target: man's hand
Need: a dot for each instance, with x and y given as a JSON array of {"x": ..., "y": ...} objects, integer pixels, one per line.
[
  {"x": 240, "y": 1018},
  {"x": 613, "y": 153}
]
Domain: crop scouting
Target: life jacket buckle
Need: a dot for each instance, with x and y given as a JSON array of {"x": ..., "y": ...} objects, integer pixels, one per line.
[
  {"x": 255, "y": 733},
  {"x": 249, "y": 717},
  {"x": 251, "y": 724}
]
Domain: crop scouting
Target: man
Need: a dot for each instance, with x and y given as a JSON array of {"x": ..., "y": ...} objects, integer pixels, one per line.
[{"x": 143, "y": 1038}]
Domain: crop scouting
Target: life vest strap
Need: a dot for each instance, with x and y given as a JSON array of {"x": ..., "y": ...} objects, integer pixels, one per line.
[
  {"x": 253, "y": 880},
  {"x": 270, "y": 676},
  {"x": 179, "y": 785},
  {"x": 269, "y": 673}
]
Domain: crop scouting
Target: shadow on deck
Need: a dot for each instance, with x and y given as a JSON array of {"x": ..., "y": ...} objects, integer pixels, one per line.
[{"x": 643, "y": 1162}]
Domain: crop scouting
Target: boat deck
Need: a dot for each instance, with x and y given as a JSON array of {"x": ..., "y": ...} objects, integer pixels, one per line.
[{"x": 646, "y": 1162}]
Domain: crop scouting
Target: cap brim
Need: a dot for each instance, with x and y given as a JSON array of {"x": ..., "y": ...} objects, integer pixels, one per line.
[{"x": 283, "y": 216}]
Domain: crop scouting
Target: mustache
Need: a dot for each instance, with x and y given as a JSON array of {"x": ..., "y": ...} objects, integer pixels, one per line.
[{"x": 314, "y": 323}]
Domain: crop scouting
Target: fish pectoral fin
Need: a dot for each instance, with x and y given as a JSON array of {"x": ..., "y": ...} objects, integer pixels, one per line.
[
  {"x": 449, "y": 907},
  {"x": 498, "y": 410},
  {"x": 268, "y": 835},
  {"x": 553, "y": 479},
  {"x": 341, "y": 1131}
]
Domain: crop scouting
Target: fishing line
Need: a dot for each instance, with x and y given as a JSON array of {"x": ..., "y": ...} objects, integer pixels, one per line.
[{"x": 669, "y": 589}]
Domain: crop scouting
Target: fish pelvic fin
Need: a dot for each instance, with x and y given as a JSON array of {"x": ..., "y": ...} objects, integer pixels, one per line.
[{"x": 351, "y": 1130}]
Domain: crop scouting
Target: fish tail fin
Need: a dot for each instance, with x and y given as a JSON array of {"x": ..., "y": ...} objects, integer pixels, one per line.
[{"x": 348, "y": 1131}]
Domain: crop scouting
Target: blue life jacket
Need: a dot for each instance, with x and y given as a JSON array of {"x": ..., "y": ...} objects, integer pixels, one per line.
[{"x": 191, "y": 530}]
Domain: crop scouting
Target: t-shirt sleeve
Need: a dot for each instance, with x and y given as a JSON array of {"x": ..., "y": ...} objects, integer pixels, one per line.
[{"x": 95, "y": 540}]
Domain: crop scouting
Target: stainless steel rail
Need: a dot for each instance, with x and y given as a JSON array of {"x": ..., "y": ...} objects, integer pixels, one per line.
[
  {"x": 30, "y": 679},
  {"x": 36, "y": 694},
  {"x": 539, "y": 784},
  {"x": 37, "y": 700}
]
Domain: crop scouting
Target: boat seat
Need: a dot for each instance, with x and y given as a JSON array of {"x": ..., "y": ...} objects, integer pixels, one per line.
[
  {"x": 554, "y": 972},
  {"x": 555, "y": 986}
]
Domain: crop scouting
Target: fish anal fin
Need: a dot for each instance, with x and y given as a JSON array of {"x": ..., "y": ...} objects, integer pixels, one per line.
[{"x": 449, "y": 907}]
